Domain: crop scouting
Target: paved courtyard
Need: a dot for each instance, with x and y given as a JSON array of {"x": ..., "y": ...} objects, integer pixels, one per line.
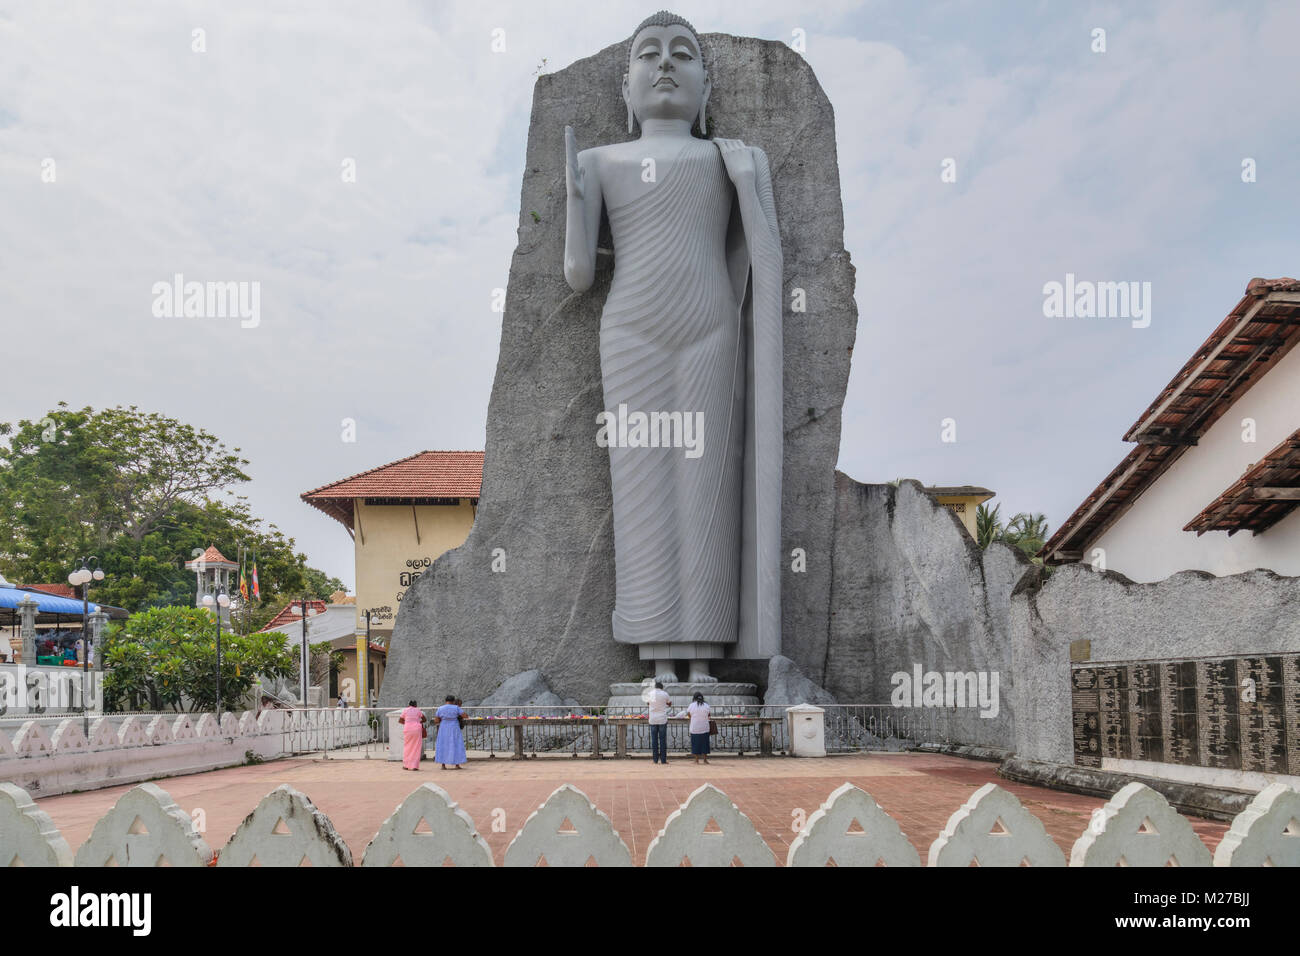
[{"x": 919, "y": 790}]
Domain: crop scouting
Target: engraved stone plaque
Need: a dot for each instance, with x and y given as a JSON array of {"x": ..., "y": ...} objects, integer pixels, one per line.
[{"x": 1231, "y": 713}]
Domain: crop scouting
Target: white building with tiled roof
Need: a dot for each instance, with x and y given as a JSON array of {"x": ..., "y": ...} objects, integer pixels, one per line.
[
  {"x": 1213, "y": 481},
  {"x": 334, "y": 622}
]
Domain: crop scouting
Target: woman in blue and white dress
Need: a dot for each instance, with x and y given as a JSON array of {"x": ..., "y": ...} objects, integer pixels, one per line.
[
  {"x": 449, "y": 748},
  {"x": 698, "y": 711}
]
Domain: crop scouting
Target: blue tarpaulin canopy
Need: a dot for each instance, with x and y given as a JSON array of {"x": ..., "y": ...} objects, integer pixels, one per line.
[{"x": 47, "y": 605}]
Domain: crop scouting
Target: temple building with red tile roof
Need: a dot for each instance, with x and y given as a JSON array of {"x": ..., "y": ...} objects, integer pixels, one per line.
[
  {"x": 401, "y": 517},
  {"x": 1213, "y": 480}
]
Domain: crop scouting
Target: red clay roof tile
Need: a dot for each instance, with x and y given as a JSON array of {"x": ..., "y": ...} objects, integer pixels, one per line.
[{"x": 426, "y": 474}]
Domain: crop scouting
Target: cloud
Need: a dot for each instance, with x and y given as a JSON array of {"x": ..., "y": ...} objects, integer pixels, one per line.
[{"x": 227, "y": 165}]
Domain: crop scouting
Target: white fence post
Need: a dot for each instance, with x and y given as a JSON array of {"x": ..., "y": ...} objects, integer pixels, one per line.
[
  {"x": 428, "y": 829},
  {"x": 1266, "y": 833},
  {"x": 1138, "y": 827},
  {"x": 591, "y": 835},
  {"x": 285, "y": 829},
  {"x": 28, "y": 837},
  {"x": 993, "y": 829},
  {"x": 144, "y": 828},
  {"x": 688, "y": 837},
  {"x": 827, "y": 836}
]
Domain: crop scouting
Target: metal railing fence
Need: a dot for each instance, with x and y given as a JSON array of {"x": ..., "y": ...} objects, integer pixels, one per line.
[
  {"x": 851, "y": 728},
  {"x": 497, "y": 731}
]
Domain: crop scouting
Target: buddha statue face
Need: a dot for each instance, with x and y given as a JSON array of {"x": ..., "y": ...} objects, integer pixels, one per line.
[{"x": 665, "y": 77}]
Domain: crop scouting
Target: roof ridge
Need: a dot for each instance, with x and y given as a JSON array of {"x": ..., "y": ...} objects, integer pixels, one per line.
[{"x": 370, "y": 471}]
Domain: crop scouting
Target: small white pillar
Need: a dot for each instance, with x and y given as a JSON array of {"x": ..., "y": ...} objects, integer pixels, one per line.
[
  {"x": 806, "y": 726},
  {"x": 395, "y": 731},
  {"x": 97, "y": 621},
  {"x": 27, "y": 630}
]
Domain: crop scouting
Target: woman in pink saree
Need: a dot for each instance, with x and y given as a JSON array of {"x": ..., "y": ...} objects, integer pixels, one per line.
[{"x": 413, "y": 734}]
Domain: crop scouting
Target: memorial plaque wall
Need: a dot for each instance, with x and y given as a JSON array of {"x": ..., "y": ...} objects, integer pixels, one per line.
[
  {"x": 1231, "y": 713},
  {"x": 1087, "y": 717}
]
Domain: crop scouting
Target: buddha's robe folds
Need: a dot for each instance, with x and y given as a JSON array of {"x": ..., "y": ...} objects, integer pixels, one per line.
[{"x": 692, "y": 324}]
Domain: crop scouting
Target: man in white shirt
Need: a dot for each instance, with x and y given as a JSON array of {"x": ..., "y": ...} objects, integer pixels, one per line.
[{"x": 659, "y": 702}]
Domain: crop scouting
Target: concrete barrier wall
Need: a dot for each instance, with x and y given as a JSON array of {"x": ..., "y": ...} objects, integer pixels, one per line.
[
  {"x": 1137, "y": 827},
  {"x": 47, "y": 756}
]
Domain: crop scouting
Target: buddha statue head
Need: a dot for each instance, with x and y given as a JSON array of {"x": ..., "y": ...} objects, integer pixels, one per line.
[{"x": 666, "y": 77}]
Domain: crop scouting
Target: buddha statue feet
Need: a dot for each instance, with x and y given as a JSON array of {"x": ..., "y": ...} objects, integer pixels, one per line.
[{"x": 699, "y": 671}]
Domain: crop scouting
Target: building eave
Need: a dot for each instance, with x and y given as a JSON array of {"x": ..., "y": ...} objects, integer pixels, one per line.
[{"x": 1252, "y": 338}]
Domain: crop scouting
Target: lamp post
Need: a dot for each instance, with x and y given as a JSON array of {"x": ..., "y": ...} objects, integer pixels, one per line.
[
  {"x": 83, "y": 576},
  {"x": 221, "y": 600},
  {"x": 304, "y": 655}
]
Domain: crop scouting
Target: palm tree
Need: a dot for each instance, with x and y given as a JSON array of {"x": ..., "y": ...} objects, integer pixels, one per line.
[
  {"x": 1028, "y": 532},
  {"x": 987, "y": 526}
]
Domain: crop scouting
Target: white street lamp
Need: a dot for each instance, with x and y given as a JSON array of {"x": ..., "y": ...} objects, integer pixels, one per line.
[
  {"x": 215, "y": 604},
  {"x": 82, "y": 577},
  {"x": 308, "y": 610}
]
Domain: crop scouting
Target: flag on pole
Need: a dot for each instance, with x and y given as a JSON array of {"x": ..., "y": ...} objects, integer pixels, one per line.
[
  {"x": 257, "y": 592},
  {"x": 243, "y": 580}
]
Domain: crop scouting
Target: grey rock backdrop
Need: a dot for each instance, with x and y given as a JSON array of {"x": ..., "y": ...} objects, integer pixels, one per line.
[
  {"x": 912, "y": 588},
  {"x": 893, "y": 581},
  {"x": 545, "y": 501}
]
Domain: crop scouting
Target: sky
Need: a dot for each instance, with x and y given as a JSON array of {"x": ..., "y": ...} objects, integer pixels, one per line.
[{"x": 985, "y": 150}]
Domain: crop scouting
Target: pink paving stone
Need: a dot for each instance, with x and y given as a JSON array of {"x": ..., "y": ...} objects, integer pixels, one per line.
[{"x": 920, "y": 791}]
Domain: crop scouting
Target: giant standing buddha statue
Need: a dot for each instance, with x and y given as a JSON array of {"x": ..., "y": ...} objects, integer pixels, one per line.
[{"x": 690, "y": 360}]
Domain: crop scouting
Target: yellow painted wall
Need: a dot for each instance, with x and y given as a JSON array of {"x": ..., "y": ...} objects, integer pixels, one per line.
[
  {"x": 348, "y": 672},
  {"x": 390, "y": 558},
  {"x": 964, "y": 507}
]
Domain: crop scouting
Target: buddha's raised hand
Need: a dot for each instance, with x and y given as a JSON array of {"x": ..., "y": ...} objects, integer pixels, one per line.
[
  {"x": 738, "y": 157},
  {"x": 574, "y": 174}
]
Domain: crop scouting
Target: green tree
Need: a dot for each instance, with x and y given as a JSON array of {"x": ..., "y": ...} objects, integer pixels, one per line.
[
  {"x": 142, "y": 492},
  {"x": 165, "y": 658},
  {"x": 116, "y": 471},
  {"x": 321, "y": 660},
  {"x": 1025, "y": 531},
  {"x": 1028, "y": 532},
  {"x": 988, "y": 526},
  {"x": 319, "y": 584}
]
